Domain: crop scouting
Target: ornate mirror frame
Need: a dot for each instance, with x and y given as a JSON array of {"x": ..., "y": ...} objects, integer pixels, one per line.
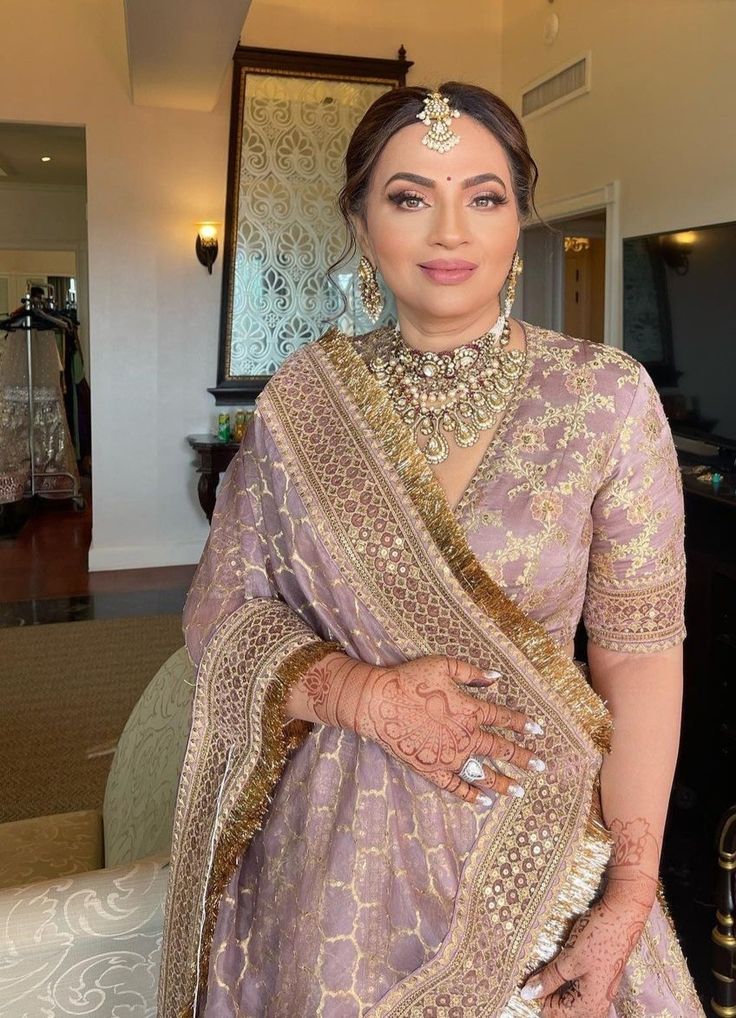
[{"x": 233, "y": 389}]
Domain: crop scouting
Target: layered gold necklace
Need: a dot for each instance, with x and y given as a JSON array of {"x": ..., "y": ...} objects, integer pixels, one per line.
[{"x": 460, "y": 392}]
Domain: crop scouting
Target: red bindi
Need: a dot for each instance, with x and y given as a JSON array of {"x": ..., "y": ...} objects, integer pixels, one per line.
[{"x": 449, "y": 178}]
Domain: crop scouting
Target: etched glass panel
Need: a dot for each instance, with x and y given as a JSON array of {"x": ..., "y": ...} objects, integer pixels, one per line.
[{"x": 294, "y": 135}]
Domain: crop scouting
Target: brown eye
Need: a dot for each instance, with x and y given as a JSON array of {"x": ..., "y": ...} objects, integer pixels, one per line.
[
  {"x": 489, "y": 200},
  {"x": 407, "y": 200}
]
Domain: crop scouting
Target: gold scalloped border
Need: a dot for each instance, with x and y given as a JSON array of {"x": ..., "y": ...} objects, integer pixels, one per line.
[
  {"x": 248, "y": 814},
  {"x": 585, "y": 708}
]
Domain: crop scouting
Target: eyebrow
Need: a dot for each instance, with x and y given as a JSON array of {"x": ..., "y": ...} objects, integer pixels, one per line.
[{"x": 481, "y": 178}]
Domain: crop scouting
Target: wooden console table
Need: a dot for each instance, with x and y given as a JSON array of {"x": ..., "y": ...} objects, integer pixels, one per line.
[{"x": 213, "y": 457}]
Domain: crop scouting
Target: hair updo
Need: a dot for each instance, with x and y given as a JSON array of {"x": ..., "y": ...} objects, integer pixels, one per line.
[{"x": 398, "y": 108}]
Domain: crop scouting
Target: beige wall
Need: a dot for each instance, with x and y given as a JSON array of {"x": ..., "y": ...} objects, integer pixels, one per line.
[
  {"x": 444, "y": 41},
  {"x": 659, "y": 118},
  {"x": 660, "y": 114},
  {"x": 39, "y": 263},
  {"x": 151, "y": 174}
]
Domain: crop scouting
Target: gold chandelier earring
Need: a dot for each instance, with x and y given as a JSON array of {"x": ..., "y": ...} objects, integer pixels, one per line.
[
  {"x": 515, "y": 271},
  {"x": 370, "y": 292}
]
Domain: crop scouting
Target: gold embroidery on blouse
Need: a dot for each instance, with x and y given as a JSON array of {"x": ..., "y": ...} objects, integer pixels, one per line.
[{"x": 550, "y": 455}]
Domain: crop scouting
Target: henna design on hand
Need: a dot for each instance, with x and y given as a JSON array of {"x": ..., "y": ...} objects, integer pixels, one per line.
[
  {"x": 570, "y": 994},
  {"x": 631, "y": 931},
  {"x": 633, "y": 839},
  {"x": 632, "y": 870},
  {"x": 420, "y": 713},
  {"x": 586, "y": 974},
  {"x": 316, "y": 684},
  {"x": 422, "y": 723}
]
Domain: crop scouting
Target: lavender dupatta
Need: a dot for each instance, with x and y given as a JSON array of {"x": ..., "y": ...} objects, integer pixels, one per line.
[{"x": 338, "y": 531}]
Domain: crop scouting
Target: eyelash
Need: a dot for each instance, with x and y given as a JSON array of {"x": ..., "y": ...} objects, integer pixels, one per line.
[{"x": 400, "y": 197}]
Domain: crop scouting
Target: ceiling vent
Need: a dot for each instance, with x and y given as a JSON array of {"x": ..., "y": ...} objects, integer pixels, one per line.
[{"x": 557, "y": 87}]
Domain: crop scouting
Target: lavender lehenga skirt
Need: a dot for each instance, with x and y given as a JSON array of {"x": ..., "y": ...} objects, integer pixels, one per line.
[{"x": 351, "y": 887}]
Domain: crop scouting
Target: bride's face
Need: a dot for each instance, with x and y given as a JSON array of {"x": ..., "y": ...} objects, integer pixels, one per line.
[{"x": 442, "y": 228}]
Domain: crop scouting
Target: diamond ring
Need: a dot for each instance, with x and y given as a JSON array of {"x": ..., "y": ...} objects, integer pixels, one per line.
[{"x": 472, "y": 770}]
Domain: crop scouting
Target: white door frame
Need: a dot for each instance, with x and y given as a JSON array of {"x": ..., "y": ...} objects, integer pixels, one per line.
[{"x": 607, "y": 198}]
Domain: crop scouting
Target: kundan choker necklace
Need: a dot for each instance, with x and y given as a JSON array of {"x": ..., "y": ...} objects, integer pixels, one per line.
[{"x": 461, "y": 392}]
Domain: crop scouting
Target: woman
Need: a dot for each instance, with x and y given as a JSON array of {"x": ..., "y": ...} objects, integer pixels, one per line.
[{"x": 400, "y": 555}]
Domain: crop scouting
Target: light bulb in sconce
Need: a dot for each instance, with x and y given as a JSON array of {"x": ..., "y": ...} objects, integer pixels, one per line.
[
  {"x": 206, "y": 244},
  {"x": 676, "y": 249}
]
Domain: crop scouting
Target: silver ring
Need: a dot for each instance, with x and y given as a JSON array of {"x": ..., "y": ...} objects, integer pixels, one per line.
[{"x": 472, "y": 770}]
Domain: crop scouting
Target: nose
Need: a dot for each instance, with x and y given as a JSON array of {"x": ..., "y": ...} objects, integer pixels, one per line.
[{"x": 448, "y": 227}]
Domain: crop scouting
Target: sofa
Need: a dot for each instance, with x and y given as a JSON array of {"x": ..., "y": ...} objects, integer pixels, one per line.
[{"x": 82, "y": 894}]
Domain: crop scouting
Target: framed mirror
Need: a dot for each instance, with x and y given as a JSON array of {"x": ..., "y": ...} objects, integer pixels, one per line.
[{"x": 291, "y": 119}]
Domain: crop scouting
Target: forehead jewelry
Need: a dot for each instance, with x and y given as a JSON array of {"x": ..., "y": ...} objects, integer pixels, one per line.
[{"x": 437, "y": 115}]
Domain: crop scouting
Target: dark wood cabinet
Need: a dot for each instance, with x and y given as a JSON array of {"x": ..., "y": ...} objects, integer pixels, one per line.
[
  {"x": 705, "y": 780},
  {"x": 213, "y": 457}
]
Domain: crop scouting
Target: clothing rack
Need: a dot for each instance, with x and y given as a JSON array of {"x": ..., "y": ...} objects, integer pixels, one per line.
[{"x": 39, "y": 313}]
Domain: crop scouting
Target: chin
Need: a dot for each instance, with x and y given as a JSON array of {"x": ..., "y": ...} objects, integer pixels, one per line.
[{"x": 452, "y": 302}]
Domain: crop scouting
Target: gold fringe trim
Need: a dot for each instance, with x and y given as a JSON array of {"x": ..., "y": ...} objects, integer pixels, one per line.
[
  {"x": 578, "y": 889},
  {"x": 583, "y": 706},
  {"x": 249, "y": 813}
]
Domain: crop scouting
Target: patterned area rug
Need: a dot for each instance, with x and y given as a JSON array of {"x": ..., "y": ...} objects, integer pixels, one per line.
[{"x": 66, "y": 691}]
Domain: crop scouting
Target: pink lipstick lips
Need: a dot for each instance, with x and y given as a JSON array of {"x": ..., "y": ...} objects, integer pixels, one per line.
[{"x": 448, "y": 270}]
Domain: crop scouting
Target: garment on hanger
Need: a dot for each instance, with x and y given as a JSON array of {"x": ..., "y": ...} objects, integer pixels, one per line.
[{"x": 53, "y": 473}]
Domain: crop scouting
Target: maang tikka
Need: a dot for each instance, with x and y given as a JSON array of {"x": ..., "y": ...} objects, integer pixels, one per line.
[
  {"x": 437, "y": 115},
  {"x": 370, "y": 291}
]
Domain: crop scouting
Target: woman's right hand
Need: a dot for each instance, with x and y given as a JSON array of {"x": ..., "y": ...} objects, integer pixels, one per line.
[{"x": 419, "y": 713}]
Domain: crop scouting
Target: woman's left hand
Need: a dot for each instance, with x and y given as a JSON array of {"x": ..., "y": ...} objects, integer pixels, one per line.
[{"x": 582, "y": 981}]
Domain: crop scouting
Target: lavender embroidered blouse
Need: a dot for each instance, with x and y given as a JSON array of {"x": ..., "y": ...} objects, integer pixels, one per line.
[{"x": 576, "y": 508}]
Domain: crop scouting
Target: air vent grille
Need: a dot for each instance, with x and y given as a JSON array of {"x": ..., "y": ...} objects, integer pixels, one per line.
[{"x": 557, "y": 88}]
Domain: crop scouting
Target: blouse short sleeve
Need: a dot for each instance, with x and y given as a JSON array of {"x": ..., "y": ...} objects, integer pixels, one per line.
[{"x": 635, "y": 594}]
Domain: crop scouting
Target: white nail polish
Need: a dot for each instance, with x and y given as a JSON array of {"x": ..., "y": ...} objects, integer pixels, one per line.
[
  {"x": 535, "y": 764},
  {"x": 516, "y": 790},
  {"x": 532, "y": 991},
  {"x": 492, "y": 674},
  {"x": 532, "y": 728},
  {"x": 484, "y": 800}
]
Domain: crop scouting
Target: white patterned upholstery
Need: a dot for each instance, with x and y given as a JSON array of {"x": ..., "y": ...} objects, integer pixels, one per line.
[{"x": 88, "y": 943}]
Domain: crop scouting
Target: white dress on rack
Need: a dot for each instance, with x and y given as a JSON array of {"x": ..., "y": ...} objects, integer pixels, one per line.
[{"x": 54, "y": 459}]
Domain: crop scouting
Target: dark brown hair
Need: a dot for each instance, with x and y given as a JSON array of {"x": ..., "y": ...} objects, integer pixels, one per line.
[{"x": 399, "y": 108}]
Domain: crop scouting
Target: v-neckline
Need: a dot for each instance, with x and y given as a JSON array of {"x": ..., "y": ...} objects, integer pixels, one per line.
[
  {"x": 483, "y": 469},
  {"x": 490, "y": 456}
]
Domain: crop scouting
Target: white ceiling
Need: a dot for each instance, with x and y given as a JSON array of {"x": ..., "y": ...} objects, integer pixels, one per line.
[
  {"x": 180, "y": 50},
  {"x": 21, "y": 148}
]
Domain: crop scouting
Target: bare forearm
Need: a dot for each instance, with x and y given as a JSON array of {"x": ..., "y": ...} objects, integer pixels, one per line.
[{"x": 644, "y": 695}]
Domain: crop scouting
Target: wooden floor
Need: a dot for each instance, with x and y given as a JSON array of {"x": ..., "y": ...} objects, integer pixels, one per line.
[{"x": 48, "y": 558}]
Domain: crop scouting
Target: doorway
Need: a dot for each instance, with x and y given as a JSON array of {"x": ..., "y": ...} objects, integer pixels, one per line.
[
  {"x": 572, "y": 267},
  {"x": 45, "y": 419},
  {"x": 572, "y": 253}
]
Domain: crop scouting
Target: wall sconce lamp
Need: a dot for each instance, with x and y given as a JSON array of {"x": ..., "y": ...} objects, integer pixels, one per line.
[
  {"x": 676, "y": 248},
  {"x": 206, "y": 244}
]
